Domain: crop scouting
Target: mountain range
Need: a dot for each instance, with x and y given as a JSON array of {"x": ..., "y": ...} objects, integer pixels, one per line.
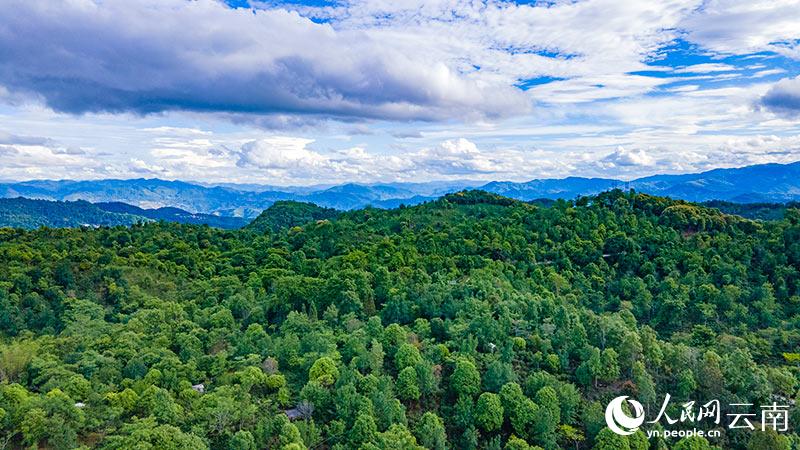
[
  {"x": 33, "y": 213},
  {"x": 759, "y": 183}
]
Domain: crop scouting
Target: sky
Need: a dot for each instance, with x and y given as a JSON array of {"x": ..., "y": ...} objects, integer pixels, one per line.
[{"x": 309, "y": 92}]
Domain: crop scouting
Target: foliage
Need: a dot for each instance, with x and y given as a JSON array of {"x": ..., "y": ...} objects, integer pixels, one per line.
[{"x": 473, "y": 321}]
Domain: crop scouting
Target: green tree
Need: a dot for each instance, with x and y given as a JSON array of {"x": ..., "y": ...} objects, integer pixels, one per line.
[
  {"x": 489, "y": 412},
  {"x": 465, "y": 379},
  {"x": 768, "y": 440},
  {"x": 693, "y": 443},
  {"x": 242, "y": 440},
  {"x": 323, "y": 371},
  {"x": 146, "y": 433},
  {"x": 397, "y": 437},
  {"x": 407, "y": 388},
  {"x": 407, "y": 356},
  {"x": 522, "y": 411},
  {"x": 364, "y": 430},
  {"x": 430, "y": 432},
  {"x": 608, "y": 440}
]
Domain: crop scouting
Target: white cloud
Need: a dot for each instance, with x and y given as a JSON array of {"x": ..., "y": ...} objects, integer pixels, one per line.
[
  {"x": 784, "y": 97},
  {"x": 745, "y": 26},
  {"x": 706, "y": 68},
  {"x": 141, "y": 56},
  {"x": 281, "y": 153},
  {"x": 622, "y": 157}
]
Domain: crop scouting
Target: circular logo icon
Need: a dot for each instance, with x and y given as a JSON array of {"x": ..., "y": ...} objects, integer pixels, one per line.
[{"x": 619, "y": 421}]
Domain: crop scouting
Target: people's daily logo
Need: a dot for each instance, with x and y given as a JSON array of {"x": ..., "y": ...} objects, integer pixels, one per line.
[
  {"x": 704, "y": 419},
  {"x": 619, "y": 421}
]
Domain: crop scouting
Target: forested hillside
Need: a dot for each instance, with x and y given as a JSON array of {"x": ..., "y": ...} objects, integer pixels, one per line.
[
  {"x": 29, "y": 213},
  {"x": 34, "y": 213},
  {"x": 287, "y": 214},
  {"x": 474, "y": 321}
]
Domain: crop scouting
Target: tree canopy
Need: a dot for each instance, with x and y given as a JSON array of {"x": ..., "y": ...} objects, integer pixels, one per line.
[{"x": 473, "y": 321}]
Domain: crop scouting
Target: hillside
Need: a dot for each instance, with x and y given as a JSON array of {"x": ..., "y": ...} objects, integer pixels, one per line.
[
  {"x": 756, "y": 211},
  {"x": 29, "y": 213},
  {"x": 174, "y": 215},
  {"x": 287, "y": 214},
  {"x": 26, "y": 213},
  {"x": 472, "y": 321}
]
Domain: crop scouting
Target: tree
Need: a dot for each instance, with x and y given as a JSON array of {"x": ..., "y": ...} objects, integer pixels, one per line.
[
  {"x": 549, "y": 415},
  {"x": 710, "y": 377},
  {"x": 571, "y": 435},
  {"x": 489, "y": 412},
  {"x": 364, "y": 430},
  {"x": 407, "y": 388},
  {"x": 693, "y": 443},
  {"x": 242, "y": 440},
  {"x": 515, "y": 443},
  {"x": 323, "y": 371},
  {"x": 609, "y": 367},
  {"x": 465, "y": 379},
  {"x": 14, "y": 358},
  {"x": 407, "y": 356},
  {"x": 290, "y": 437},
  {"x": 547, "y": 398},
  {"x": 146, "y": 433},
  {"x": 375, "y": 357},
  {"x": 645, "y": 386},
  {"x": 608, "y": 440},
  {"x": 521, "y": 411},
  {"x": 497, "y": 374},
  {"x": 430, "y": 432},
  {"x": 686, "y": 384},
  {"x": 397, "y": 437},
  {"x": 768, "y": 440}
]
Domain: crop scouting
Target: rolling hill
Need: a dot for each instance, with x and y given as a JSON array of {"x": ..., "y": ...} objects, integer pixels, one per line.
[{"x": 34, "y": 213}]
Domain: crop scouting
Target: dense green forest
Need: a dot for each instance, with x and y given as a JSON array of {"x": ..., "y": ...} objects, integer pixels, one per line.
[
  {"x": 31, "y": 213},
  {"x": 473, "y": 321},
  {"x": 760, "y": 211}
]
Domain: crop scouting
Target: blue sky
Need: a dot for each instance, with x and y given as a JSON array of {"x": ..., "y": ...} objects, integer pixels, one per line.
[{"x": 309, "y": 92}]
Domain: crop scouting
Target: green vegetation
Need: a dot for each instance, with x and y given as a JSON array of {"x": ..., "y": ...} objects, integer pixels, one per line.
[
  {"x": 473, "y": 321},
  {"x": 288, "y": 213},
  {"x": 27, "y": 213},
  {"x": 759, "y": 211}
]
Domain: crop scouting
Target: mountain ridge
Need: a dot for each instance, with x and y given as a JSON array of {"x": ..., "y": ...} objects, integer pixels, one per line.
[
  {"x": 749, "y": 184},
  {"x": 21, "y": 212}
]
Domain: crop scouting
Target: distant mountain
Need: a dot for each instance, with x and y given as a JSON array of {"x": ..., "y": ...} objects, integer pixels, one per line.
[
  {"x": 146, "y": 193},
  {"x": 760, "y": 183},
  {"x": 551, "y": 188},
  {"x": 226, "y": 201},
  {"x": 169, "y": 214},
  {"x": 33, "y": 213},
  {"x": 286, "y": 214},
  {"x": 27, "y": 213}
]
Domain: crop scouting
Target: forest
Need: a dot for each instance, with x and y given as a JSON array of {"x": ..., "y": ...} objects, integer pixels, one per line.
[{"x": 470, "y": 322}]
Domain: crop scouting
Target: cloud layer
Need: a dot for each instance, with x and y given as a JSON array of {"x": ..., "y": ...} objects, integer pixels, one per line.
[
  {"x": 370, "y": 59},
  {"x": 365, "y": 90},
  {"x": 155, "y": 55}
]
